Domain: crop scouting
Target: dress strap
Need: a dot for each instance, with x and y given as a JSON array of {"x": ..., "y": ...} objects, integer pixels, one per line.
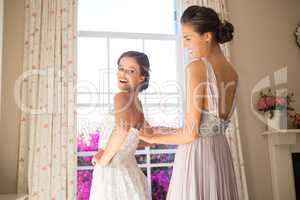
[
  {"x": 212, "y": 89},
  {"x": 213, "y": 92}
]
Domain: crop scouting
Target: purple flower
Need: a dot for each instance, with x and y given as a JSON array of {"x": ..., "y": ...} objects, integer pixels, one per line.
[
  {"x": 88, "y": 142},
  {"x": 160, "y": 179},
  {"x": 84, "y": 179}
]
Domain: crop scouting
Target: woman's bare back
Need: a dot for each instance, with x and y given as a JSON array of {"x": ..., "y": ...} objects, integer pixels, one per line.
[{"x": 227, "y": 79}]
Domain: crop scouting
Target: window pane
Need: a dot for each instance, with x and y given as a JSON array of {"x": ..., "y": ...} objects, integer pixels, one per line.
[
  {"x": 142, "y": 97},
  {"x": 157, "y": 116},
  {"x": 89, "y": 119},
  {"x": 113, "y": 87},
  {"x": 162, "y": 158},
  {"x": 89, "y": 80},
  {"x": 144, "y": 170},
  {"x": 141, "y": 159},
  {"x": 91, "y": 99},
  {"x": 92, "y": 52},
  {"x": 162, "y": 99},
  {"x": 163, "y": 146},
  {"x": 84, "y": 160},
  {"x": 133, "y": 16},
  {"x": 162, "y": 56},
  {"x": 92, "y": 65}
]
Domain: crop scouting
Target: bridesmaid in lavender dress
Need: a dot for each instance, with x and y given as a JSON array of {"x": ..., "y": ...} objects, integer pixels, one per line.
[{"x": 203, "y": 167}]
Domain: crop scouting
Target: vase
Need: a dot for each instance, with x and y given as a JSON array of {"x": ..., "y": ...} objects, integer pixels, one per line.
[{"x": 278, "y": 121}]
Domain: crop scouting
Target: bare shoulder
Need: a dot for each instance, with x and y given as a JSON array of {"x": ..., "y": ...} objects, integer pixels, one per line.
[
  {"x": 228, "y": 70},
  {"x": 196, "y": 65},
  {"x": 121, "y": 97},
  {"x": 122, "y": 104},
  {"x": 196, "y": 69}
]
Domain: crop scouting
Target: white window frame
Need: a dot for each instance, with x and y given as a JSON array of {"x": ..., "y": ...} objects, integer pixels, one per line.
[{"x": 180, "y": 79}]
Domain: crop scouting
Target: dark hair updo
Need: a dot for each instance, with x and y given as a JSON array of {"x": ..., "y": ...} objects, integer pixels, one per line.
[
  {"x": 144, "y": 64},
  {"x": 204, "y": 19}
]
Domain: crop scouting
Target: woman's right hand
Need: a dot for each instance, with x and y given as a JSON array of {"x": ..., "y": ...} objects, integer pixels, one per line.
[
  {"x": 97, "y": 157},
  {"x": 145, "y": 136}
]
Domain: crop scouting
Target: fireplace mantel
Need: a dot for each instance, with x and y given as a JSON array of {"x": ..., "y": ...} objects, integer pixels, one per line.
[{"x": 281, "y": 144}]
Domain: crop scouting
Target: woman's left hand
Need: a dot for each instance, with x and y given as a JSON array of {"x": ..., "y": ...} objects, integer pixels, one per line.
[{"x": 96, "y": 158}]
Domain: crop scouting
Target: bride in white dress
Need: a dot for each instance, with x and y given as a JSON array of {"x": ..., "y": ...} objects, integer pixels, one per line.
[{"x": 116, "y": 175}]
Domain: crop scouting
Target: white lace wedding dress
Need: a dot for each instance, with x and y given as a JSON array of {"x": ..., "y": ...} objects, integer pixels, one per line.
[{"x": 122, "y": 179}]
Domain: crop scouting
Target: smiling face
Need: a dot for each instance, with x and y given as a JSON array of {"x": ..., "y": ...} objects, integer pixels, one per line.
[
  {"x": 129, "y": 75},
  {"x": 197, "y": 44}
]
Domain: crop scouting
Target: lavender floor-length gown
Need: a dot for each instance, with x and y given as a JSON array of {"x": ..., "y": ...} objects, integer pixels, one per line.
[{"x": 203, "y": 170}]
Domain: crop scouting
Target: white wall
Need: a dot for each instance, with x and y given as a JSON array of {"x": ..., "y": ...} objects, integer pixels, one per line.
[
  {"x": 1, "y": 36},
  {"x": 13, "y": 40},
  {"x": 263, "y": 43}
]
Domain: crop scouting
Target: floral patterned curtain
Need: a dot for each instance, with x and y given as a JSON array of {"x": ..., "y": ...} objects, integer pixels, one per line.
[
  {"x": 45, "y": 94},
  {"x": 233, "y": 134}
]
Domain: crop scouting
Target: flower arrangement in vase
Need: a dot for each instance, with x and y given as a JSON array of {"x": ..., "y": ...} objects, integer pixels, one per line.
[
  {"x": 275, "y": 108},
  {"x": 296, "y": 120}
]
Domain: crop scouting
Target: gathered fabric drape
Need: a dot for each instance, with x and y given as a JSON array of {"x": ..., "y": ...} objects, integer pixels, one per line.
[
  {"x": 233, "y": 133},
  {"x": 46, "y": 96}
]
